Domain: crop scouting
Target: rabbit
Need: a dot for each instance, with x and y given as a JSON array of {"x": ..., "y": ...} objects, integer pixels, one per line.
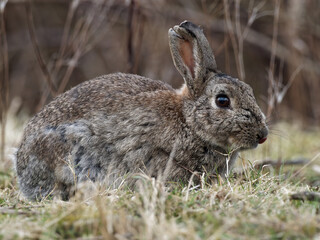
[{"x": 121, "y": 124}]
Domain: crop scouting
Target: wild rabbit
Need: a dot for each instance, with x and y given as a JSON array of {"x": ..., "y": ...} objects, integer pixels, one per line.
[{"x": 121, "y": 123}]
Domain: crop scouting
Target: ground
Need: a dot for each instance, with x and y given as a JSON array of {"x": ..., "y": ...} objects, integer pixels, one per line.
[{"x": 255, "y": 202}]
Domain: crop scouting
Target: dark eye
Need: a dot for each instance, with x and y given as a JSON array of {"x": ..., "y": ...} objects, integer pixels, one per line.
[{"x": 222, "y": 101}]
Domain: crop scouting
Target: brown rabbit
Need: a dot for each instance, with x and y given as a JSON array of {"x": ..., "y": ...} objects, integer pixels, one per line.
[{"x": 121, "y": 123}]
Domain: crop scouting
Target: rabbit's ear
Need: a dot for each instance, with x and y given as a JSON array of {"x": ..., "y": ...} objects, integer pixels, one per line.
[{"x": 192, "y": 55}]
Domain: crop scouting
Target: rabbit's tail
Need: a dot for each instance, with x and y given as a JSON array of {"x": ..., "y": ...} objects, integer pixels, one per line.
[{"x": 13, "y": 157}]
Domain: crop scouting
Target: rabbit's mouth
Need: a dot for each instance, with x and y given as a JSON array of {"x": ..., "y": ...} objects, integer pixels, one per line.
[
  {"x": 245, "y": 144},
  {"x": 248, "y": 140},
  {"x": 251, "y": 144}
]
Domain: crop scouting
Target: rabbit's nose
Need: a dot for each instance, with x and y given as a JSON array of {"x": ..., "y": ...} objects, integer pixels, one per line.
[{"x": 262, "y": 135}]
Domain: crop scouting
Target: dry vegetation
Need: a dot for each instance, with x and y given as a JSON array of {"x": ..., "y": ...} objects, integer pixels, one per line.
[
  {"x": 254, "y": 203},
  {"x": 48, "y": 46}
]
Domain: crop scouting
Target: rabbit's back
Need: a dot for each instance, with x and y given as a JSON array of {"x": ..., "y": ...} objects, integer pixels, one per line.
[{"x": 104, "y": 93}]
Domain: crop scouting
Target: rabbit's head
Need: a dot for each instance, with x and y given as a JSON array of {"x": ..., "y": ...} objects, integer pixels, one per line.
[{"x": 220, "y": 109}]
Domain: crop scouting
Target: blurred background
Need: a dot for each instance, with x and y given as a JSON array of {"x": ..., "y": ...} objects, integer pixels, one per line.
[{"x": 49, "y": 46}]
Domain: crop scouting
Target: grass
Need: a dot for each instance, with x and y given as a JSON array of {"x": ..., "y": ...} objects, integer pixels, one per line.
[{"x": 255, "y": 204}]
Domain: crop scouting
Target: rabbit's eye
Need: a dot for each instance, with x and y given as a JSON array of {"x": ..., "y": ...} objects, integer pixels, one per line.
[{"x": 223, "y": 101}]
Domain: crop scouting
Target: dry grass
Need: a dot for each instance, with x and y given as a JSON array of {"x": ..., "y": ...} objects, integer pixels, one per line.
[
  {"x": 253, "y": 205},
  {"x": 53, "y": 45}
]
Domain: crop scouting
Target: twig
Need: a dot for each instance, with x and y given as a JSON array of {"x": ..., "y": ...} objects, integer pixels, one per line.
[
  {"x": 304, "y": 166},
  {"x": 37, "y": 51},
  {"x": 4, "y": 90},
  {"x": 63, "y": 47},
  {"x": 67, "y": 75},
  {"x": 141, "y": 20},
  {"x": 25, "y": 207},
  {"x": 271, "y": 80},
  {"x": 194, "y": 173},
  {"x": 65, "y": 36},
  {"x": 74, "y": 45},
  {"x": 86, "y": 28},
  {"x": 16, "y": 211},
  {"x": 240, "y": 40},
  {"x": 274, "y": 163},
  {"x": 237, "y": 35},
  {"x": 130, "y": 37},
  {"x": 306, "y": 196},
  {"x": 231, "y": 34},
  {"x": 282, "y": 163}
]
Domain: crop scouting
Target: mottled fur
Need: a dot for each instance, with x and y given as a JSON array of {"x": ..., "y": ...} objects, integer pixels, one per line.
[{"x": 121, "y": 123}]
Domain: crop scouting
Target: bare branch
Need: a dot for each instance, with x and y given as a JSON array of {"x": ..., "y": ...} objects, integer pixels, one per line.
[
  {"x": 130, "y": 29},
  {"x": 274, "y": 163},
  {"x": 306, "y": 196},
  {"x": 4, "y": 84},
  {"x": 37, "y": 51},
  {"x": 231, "y": 31},
  {"x": 271, "y": 80},
  {"x": 4, "y": 210},
  {"x": 65, "y": 36}
]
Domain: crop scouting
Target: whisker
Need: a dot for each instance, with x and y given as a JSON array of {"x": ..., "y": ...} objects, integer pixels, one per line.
[
  {"x": 286, "y": 137},
  {"x": 276, "y": 130},
  {"x": 270, "y": 121}
]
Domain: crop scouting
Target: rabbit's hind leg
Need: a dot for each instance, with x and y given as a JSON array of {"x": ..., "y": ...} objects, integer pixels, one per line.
[
  {"x": 36, "y": 180},
  {"x": 37, "y": 162}
]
